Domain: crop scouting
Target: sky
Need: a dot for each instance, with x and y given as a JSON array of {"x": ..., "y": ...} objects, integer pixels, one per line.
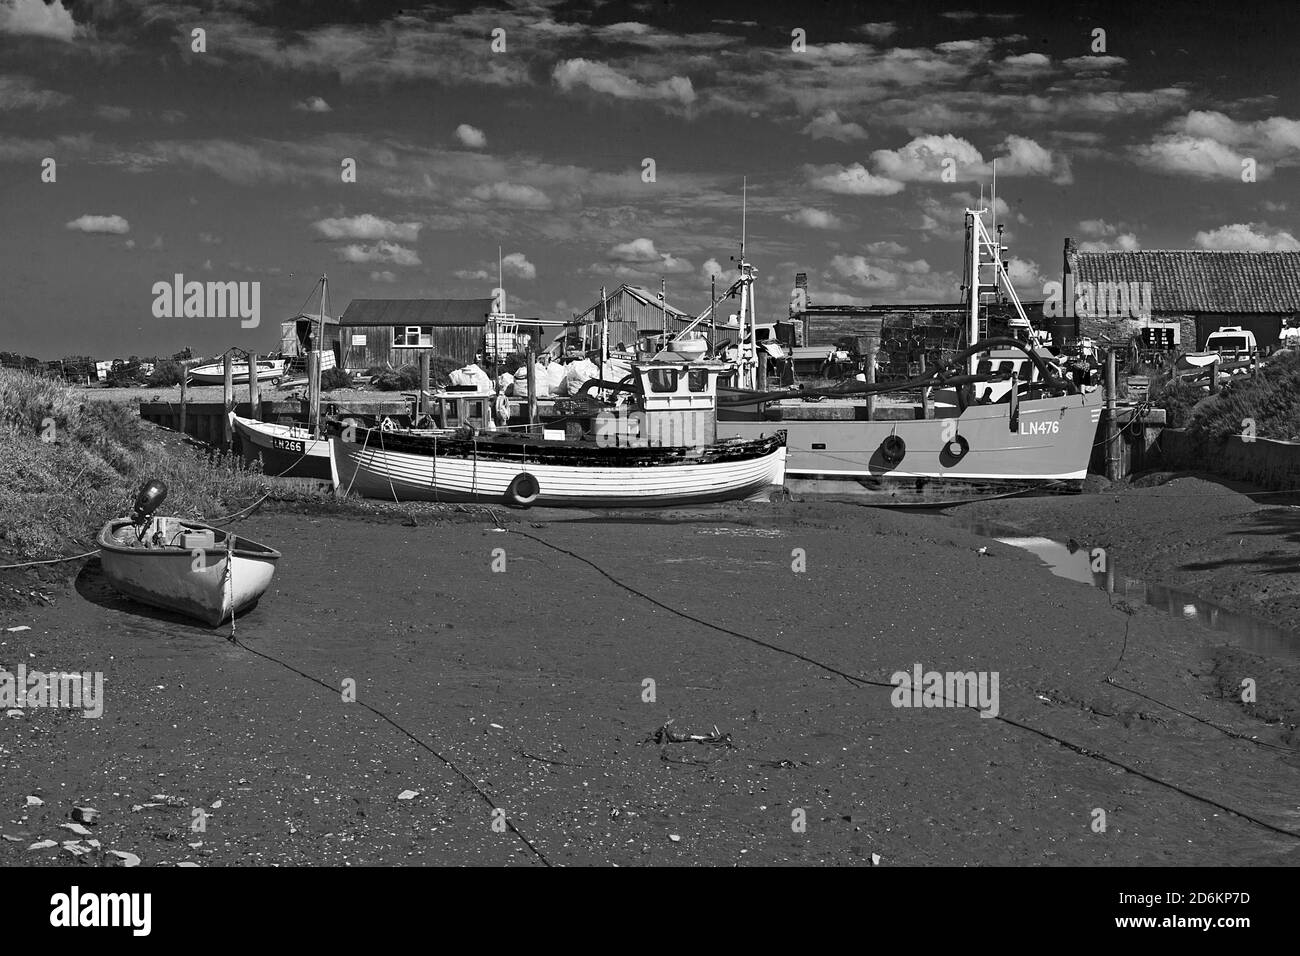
[{"x": 597, "y": 143}]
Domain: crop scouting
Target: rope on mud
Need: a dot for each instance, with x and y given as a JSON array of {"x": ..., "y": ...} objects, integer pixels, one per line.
[
  {"x": 1237, "y": 735},
  {"x": 28, "y": 564},
  {"x": 414, "y": 739},
  {"x": 862, "y": 681}
]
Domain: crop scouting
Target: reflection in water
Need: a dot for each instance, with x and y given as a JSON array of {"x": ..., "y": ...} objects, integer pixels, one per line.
[{"x": 1079, "y": 563}]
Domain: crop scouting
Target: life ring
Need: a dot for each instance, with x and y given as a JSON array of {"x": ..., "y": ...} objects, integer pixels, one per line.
[
  {"x": 523, "y": 490},
  {"x": 502, "y": 408},
  {"x": 892, "y": 450}
]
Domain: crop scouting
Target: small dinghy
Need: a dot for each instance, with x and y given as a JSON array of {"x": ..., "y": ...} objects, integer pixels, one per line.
[{"x": 184, "y": 566}]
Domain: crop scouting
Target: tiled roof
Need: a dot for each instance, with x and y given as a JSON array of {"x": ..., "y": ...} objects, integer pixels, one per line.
[
  {"x": 373, "y": 312},
  {"x": 1201, "y": 280}
]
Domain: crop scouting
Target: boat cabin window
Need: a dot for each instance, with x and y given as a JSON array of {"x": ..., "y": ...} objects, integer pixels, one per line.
[
  {"x": 451, "y": 412},
  {"x": 1026, "y": 371},
  {"x": 662, "y": 379},
  {"x": 984, "y": 367},
  {"x": 1229, "y": 343},
  {"x": 697, "y": 379},
  {"x": 1006, "y": 367}
]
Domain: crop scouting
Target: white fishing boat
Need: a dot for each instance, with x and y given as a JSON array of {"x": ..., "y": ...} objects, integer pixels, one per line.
[
  {"x": 1002, "y": 418},
  {"x": 215, "y": 373},
  {"x": 184, "y": 566},
  {"x": 657, "y": 448},
  {"x": 283, "y": 450}
]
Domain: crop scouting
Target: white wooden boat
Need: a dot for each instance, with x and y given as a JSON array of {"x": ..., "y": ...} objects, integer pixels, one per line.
[
  {"x": 185, "y": 566},
  {"x": 284, "y": 450},
  {"x": 215, "y": 373},
  {"x": 660, "y": 449}
]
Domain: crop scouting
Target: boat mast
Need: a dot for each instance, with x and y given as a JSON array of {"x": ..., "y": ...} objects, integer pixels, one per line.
[
  {"x": 984, "y": 251},
  {"x": 320, "y": 337}
]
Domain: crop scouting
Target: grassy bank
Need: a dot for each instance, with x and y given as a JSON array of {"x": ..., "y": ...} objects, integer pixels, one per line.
[
  {"x": 1271, "y": 398},
  {"x": 70, "y": 464}
]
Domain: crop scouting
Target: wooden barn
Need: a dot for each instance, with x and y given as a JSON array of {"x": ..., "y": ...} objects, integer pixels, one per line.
[{"x": 393, "y": 332}]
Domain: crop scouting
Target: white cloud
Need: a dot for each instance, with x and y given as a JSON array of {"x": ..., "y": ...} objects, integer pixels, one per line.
[
  {"x": 603, "y": 78},
  {"x": 878, "y": 31},
  {"x": 886, "y": 248},
  {"x": 1248, "y": 237},
  {"x": 367, "y": 226},
  {"x": 384, "y": 276},
  {"x": 923, "y": 159},
  {"x": 112, "y": 225},
  {"x": 1200, "y": 157},
  {"x": 852, "y": 180},
  {"x": 1124, "y": 242},
  {"x": 1095, "y": 63},
  {"x": 711, "y": 268},
  {"x": 814, "y": 219},
  {"x": 638, "y": 250},
  {"x": 828, "y": 125},
  {"x": 382, "y": 251},
  {"x": 37, "y": 18},
  {"x": 471, "y": 136},
  {"x": 312, "y": 104},
  {"x": 22, "y": 93},
  {"x": 1025, "y": 64},
  {"x": 517, "y": 195},
  {"x": 518, "y": 266},
  {"x": 1024, "y": 273}
]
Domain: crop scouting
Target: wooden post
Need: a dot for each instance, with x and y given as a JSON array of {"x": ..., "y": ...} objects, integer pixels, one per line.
[
  {"x": 422, "y": 402},
  {"x": 184, "y": 379},
  {"x": 227, "y": 396},
  {"x": 1112, "y": 431},
  {"x": 313, "y": 391},
  {"x": 253, "y": 400},
  {"x": 532, "y": 387},
  {"x": 872, "y": 343},
  {"x": 1214, "y": 376}
]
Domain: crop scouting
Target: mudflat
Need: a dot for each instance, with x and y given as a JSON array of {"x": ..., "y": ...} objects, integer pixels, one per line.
[{"x": 549, "y": 681}]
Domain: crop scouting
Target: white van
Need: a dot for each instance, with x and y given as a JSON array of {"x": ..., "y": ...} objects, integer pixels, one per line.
[{"x": 1232, "y": 340}]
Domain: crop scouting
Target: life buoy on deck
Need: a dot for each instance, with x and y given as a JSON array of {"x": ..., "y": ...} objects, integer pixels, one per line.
[
  {"x": 892, "y": 449},
  {"x": 502, "y": 409},
  {"x": 523, "y": 490}
]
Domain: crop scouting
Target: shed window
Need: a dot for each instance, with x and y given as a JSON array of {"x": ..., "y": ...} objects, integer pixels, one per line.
[
  {"x": 413, "y": 336},
  {"x": 662, "y": 379}
]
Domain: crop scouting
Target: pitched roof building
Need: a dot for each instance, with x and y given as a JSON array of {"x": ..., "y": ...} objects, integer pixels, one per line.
[
  {"x": 1194, "y": 291},
  {"x": 393, "y": 332}
]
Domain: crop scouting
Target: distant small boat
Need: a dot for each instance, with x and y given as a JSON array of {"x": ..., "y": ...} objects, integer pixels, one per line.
[
  {"x": 185, "y": 566},
  {"x": 284, "y": 450},
  {"x": 215, "y": 373}
]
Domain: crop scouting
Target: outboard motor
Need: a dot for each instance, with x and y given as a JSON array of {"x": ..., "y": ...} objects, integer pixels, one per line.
[{"x": 150, "y": 496}]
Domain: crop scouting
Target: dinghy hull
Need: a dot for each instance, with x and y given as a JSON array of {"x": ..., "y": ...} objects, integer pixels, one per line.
[{"x": 206, "y": 584}]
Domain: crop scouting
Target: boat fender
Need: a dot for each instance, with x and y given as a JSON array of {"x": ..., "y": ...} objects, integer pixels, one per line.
[
  {"x": 892, "y": 449},
  {"x": 523, "y": 490},
  {"x": 958, "y": 447},
  {"x": 502, "y": 408}
]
